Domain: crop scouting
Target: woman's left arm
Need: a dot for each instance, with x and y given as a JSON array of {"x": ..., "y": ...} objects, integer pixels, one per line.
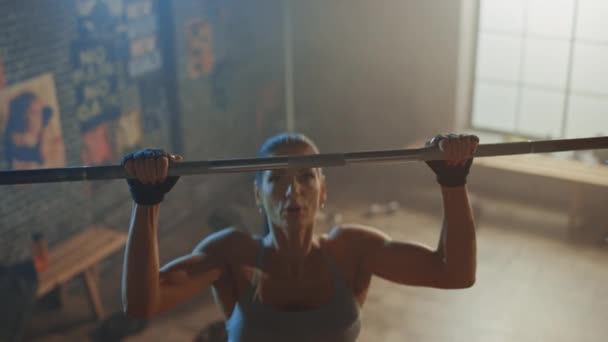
[
  {"x": 451, "y": 266},
  {"x": 453, "y": 263},
  {"x": 457, "y": 243}
]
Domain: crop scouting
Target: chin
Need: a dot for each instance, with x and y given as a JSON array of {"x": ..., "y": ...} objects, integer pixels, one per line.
[{"x": 298, "y": 222}]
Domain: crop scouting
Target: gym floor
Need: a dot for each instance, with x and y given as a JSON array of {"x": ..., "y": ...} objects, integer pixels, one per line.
[{"x": 532, "y": 285}]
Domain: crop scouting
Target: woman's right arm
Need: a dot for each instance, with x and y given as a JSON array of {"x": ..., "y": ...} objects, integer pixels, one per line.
[{"x": 148, "y": 289}]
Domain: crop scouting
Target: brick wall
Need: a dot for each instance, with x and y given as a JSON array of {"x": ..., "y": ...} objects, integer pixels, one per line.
[
  {"x": 35, "y": 40},
  {"x": 224, "y": 106},
  {"x": 210, "y": 114}
]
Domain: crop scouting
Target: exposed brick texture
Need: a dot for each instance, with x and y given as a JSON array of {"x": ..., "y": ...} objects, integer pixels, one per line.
[{"x": 222, "y": 114}]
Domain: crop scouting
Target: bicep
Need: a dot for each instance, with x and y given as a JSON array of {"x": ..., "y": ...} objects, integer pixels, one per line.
[
  {"x": 186, "y": 277},
  {"x": 406, "y": 263},
  {"x": 400, "y": 262}
]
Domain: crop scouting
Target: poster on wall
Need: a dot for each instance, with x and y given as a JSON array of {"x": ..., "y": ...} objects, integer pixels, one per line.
[
  {"x": 99, "y": 19},
  {"x": 116, "y": 41},
  {"x": 142, "y": 28},
  {"x": 97, "y": 86},
  {"x": 96, "y": 145},
  {"x": 199, "y": 53},
  {"x": 31, "y": 125},
  {"x": 128, "y": 131}
]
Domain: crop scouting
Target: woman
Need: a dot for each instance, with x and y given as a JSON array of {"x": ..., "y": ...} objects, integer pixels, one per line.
[{"x": 292, "y": 284}]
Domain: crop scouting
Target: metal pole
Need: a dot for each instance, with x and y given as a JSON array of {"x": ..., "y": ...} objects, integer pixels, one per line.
[
  {"x": 288, "y": 66},
  {"x": 82, "y": 173}
]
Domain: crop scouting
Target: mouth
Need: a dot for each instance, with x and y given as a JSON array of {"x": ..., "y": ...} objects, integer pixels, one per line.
[{"x": 293, "y": 210}]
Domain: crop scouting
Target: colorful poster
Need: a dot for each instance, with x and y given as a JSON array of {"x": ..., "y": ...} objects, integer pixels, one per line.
[
  {"x": 31, "y": 125},
  {"x": 99, "y": 19},
  {"x": 116, "y": 41},
  {"x": 144, "y": 52},
  {"x": 97, "y": 87},
  {"x": 96, "y": 82},
  {"x": 96, "y": 146},
  {"x": 200, "y": 54},
  {"x": 128, "y": 131}
]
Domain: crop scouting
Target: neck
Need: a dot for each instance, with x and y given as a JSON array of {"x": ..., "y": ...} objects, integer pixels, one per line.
[{"x": 293, "y": 246}]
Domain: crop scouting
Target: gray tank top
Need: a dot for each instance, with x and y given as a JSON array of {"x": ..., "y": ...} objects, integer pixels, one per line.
[{"x": 336, "y": 321}]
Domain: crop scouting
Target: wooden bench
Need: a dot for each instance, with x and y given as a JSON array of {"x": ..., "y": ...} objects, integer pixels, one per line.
[
  {"x": 78, "y": 255},
  {"x": 575, "y": 172}
]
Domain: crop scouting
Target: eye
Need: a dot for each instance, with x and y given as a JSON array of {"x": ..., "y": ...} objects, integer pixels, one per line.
[
  {"x": 272, "y": 176},
  {"x": 308, "y": 175}
]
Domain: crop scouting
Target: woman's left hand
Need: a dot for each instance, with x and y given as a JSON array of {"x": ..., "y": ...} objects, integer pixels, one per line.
[
  {"x": 458, "y": 151},
  {"x": 457, "y": 148}
]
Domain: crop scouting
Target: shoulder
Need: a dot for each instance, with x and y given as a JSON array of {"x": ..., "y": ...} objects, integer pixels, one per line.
[
  {"x": 228, "y": 241},
  {"x": 356, "y": 236},
  {"x": 353, "y": 246}
]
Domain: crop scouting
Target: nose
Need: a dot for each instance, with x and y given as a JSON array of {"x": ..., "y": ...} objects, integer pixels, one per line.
[{"x": 293, "y": 188}]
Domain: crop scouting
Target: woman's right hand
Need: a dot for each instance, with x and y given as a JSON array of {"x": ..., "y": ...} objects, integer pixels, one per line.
[{"x": 148, "y": 170}]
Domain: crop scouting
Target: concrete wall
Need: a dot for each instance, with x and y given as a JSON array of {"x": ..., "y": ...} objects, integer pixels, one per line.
[
  {"x": 379, "y": 75},
  {"x": 374, "y": 75}
]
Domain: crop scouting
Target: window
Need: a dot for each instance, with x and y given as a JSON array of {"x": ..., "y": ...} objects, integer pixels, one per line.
[{"x": 541, "y": 68}]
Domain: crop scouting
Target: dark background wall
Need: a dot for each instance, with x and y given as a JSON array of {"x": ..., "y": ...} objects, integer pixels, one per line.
[
  {"x": 232, "y": 108},
  {"x": 207, "y": 113}
]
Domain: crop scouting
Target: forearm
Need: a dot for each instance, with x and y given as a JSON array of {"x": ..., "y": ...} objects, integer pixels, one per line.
[
  {"x": 140, "y": 284},
  {"x": 457, "y": 245}
]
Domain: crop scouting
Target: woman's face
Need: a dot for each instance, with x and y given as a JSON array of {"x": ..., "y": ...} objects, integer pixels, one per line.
[{"x": 291, "y": 197}]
